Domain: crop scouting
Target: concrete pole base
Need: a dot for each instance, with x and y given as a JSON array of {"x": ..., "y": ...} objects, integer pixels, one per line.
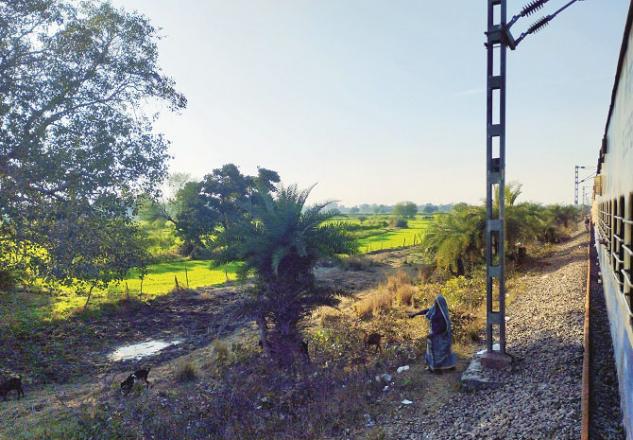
[{"x": 496, "y": 360}]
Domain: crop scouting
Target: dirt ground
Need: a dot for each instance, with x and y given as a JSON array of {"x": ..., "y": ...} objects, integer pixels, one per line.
[
  {"x": 66, "y": 365},
  {"x": 68, "y": 361}
]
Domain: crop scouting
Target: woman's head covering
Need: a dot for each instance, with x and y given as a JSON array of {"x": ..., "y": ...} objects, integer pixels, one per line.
[{"x": 440, "y": 306}]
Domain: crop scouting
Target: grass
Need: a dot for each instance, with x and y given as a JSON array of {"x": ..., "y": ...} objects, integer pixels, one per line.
[
  {"x": 24, "y": 309},
  {"x": 384, "y": 237},
  {"x": 161, "y": 277},
  {"x": 397, "y": 290}
]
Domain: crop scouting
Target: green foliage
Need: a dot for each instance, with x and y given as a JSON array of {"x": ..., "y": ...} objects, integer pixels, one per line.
[
  {"x": 198, "y": 210},
  {"x": 564, "y": 214},
  {"x": 399, "y": 222},
  {"x": 405, "y": 210},
  {"x": 280, "y": 241},
  {"x": 76, "y": 148},
  {"x": 455, "y": 240},
  {"x": 231, "y": 194},
  {"x": 7, "y": 280}
]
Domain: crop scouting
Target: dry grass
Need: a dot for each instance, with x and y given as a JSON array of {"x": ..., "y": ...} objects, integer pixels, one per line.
[
  {"x": 185, "y": 372},
  {"x": 374, "y": 303},
  {"x": 357, "y": 263},
  {"x": 404, "y": 295},
  {"x": 397, "y": 290}
]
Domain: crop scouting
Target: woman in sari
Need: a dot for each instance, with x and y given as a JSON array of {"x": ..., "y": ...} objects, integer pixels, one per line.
[{"x": 439, "y": 355}]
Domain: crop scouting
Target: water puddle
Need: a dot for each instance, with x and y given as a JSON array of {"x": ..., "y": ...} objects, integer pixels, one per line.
[{"x": 141, "y": 350}]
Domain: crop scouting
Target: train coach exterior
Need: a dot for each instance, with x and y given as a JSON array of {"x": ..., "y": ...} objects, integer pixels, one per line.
[{"x": 613, "y": 218}]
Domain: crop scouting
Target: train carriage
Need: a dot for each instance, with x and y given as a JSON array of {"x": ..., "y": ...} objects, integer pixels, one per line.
[{"x": 613, "y": 219}]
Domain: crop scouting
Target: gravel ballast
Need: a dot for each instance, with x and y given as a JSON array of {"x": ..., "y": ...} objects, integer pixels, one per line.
[{"x": 540, "y": 397}]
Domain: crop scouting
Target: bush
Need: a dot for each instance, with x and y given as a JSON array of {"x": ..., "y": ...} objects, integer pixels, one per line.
[
  {"x": 398, "y": 223},
  {"x": 222, "y": 356},
  {"x": 186, "y": 372},
  {"x": 8, "y": 280},
  {"x": 404, "y": 295},
  {"x": 374, "y": 303}
]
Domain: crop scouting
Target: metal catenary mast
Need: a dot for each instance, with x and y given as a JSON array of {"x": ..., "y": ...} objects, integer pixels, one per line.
[{"x": 499, "y": 39}]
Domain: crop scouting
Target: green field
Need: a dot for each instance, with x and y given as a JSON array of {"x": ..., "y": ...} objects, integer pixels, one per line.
[
  {"x": 161, "y": 277},
  {"x": 391, "y": 238},
  {"x": 377, "y": 235}
]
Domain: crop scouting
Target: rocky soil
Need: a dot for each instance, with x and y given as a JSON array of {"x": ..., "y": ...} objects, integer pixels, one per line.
[{"x": 540, "y": 397}]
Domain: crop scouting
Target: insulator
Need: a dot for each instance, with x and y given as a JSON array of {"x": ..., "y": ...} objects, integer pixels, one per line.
[
  {"x": 539, "y": 24},
  {"x": 532, "y": 7}
]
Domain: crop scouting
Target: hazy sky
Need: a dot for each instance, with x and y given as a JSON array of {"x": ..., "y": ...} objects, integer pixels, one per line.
[{"x": 382, "y": 101}]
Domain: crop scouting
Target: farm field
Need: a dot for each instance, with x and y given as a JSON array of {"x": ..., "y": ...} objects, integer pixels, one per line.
[
  {"x": 30, "y": 308},
  {"x": 161, "y": 277},
  {"x": 391, "y": 238}
]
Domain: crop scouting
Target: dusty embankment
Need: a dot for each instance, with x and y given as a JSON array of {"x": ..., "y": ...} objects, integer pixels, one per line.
[
  {"x": 338, "y": 395},
  {"x": 540, "y": 397}
]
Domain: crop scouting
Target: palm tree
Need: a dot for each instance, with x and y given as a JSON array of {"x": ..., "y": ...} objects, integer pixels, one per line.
[
  {"x": 456, "y": 238},
  {"x": 279, "y": 242},
  {"x": 564, "y": 214}
]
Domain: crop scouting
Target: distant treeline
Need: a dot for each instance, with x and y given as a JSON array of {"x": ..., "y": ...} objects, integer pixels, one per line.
[{"x": 366, "y": 208}]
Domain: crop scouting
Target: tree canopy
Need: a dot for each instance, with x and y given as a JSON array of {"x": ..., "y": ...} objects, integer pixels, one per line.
[
  {"x": 405, "y": 210},
  {"x": 74, "y": 132}
]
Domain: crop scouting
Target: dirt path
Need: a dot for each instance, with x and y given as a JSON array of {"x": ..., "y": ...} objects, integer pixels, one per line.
[{"x": 540, "y": 398}]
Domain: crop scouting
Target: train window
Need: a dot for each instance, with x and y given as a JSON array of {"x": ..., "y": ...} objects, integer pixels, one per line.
[
  {"x": 628, "y": 251},
  {"x": 618, "y": 240},
  {"x": 614, "y": 235},
  {"x": 610, "y": 227},
  {"x": 602, "y": 221}
]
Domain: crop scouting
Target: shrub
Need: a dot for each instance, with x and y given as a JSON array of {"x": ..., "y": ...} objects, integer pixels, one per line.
[
  {"x": 397, "y": 289},
  {"x": 394, "y": 282},
  {"x": 375, "y": 303},
  {"x": 186, "y": 372},
  {"x": 404, "y": 295},
  {"x": 7, "y": 280},
  {"x": 222, "y": 355},
  {"x": 398, "y": 222}
]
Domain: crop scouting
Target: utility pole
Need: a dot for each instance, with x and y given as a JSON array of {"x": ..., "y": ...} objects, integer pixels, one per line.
[
  {"x": 496, "y": 51},
  {"x": 499, "y": 39},
  {"x": 576, "y": 182}
]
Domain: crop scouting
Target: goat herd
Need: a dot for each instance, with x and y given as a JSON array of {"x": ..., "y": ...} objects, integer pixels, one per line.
[{"x": 15, "y": 383}]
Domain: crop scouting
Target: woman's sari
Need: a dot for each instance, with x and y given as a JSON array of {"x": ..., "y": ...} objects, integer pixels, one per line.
[{"x": 438, "y": 345}]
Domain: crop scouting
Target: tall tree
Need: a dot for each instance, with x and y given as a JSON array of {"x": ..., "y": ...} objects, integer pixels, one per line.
[
  {"x": 74, "y": 77},
  {"x": 405, "y": 210},
  {"x": 230, "y": 194}
]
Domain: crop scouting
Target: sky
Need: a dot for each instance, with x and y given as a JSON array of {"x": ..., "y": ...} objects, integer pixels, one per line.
[{"x": 383, "y": 101}]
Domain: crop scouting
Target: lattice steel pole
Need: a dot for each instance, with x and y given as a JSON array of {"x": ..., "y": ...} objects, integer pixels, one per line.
[
  {"x": 499, "y": 39},
  {"x": 576, "y": 182},
  {"x": 496, "y": 48}
]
